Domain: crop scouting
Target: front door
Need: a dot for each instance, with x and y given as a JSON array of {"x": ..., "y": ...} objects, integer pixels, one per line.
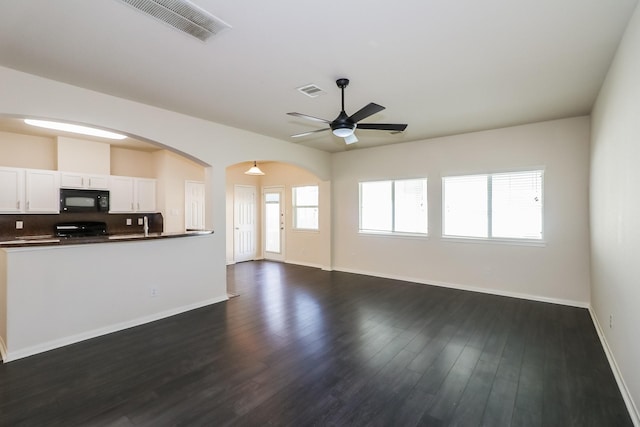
[
  {"x": 244, "y": 223},
  {"x": 274, "y": 223}
]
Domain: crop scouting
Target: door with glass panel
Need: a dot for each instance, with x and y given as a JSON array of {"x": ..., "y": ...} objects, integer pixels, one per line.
[{"x": 274, "y": 222}]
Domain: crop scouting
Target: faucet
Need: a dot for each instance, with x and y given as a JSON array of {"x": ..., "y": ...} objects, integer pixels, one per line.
[{"x": 146, "y": 226}]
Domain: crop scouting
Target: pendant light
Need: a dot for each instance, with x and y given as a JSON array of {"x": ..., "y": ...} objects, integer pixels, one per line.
[{"x": 254, "y": 170}]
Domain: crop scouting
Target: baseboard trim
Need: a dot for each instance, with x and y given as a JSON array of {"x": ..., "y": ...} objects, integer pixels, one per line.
[
  {"x": 307, "y": 264},
  {"x": 61, "y": 342},
  {"x": 499, "y": 292},
  {"x": 626, "y": 395}
]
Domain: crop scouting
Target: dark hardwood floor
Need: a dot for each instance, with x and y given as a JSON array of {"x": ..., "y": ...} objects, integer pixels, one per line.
[{"x": 303, "y": 347}]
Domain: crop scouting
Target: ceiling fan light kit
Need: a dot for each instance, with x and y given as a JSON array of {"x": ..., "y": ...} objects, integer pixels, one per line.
[{"x": 344, "y": 126}]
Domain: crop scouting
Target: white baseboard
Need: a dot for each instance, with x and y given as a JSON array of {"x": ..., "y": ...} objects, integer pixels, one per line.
[
  {"x": 61, "y": 342},
  {"x": 307, "y": 264},
  {"x": 628, "y": 400},
  {"x": 500, "y": 292}
]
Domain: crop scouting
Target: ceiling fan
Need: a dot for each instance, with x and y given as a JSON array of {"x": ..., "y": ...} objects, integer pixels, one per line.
[{"x": 344, "y": 126}]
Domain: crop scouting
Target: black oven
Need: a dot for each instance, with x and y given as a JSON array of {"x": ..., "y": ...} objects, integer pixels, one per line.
[{"x": 83, "y": 200}]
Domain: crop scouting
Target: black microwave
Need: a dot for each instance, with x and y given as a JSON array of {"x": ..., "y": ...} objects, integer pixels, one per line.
[{"x": 84, "y": 200}]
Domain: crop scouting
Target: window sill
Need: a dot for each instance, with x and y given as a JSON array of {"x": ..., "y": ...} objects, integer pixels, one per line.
[
  {"x": 514, "y": 242},
  {"x": 394, "y": 235}
]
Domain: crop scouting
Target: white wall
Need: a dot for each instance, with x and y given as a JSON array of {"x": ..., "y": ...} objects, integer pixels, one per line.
[
  {"x": 26, "y": 151},
  {"x": 171, "y": 172},
  {"x": 615, "y": 209},
  {"x": 558, "y": 271},
  {"x": 311, "y": 248},
  {"x": 68, "y": 299},
  {"x": 3, "y": 304},
  {"x": 79, "y": 155},
  {"x": 217, "y": 145},
  {"x": 128, "y": 162}
]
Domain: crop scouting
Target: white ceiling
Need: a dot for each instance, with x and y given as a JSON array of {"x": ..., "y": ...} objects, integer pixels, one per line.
[{"x": 443, "y": 67}]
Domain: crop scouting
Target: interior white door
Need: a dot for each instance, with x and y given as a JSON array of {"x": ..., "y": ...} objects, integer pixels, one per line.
[
  {"x": 274, "y": 222},
  {"x": 244, "y": 223},
  {"x": 193, "y": 205}
]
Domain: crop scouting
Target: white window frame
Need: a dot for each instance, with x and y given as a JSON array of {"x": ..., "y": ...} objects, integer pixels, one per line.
[
  {"x": 490, "y": 239},
  {"x": 392, "y": 233},
  {"x": 295, "y": 206}
]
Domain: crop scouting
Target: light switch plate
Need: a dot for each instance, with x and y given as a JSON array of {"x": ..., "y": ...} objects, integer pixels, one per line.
[
  {"x": 19, "y": 225},
  {"x": 128, "y": 221},
  {"x": 140, "y": 221}
]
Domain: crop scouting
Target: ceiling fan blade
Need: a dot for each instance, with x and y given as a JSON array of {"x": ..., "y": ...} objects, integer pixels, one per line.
[
  {"x": 382, "y": 126},
  {"x": 308, "y": 133},
  {"x": 366, "y": 111},
  {"x": 305, "y": 116}
]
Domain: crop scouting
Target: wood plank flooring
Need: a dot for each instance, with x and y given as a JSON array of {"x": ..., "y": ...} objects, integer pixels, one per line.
[{"x": 303, "y": 347}]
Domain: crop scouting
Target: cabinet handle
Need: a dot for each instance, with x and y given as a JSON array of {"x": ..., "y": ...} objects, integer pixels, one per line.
[
  {"x": 82, "y": 181},
  {"x": 18, "y": 205},
  {"x": 27, "y": 205},
  {"x": 132, "y": 206},
  {"x": 89, "y": 182},
  {"x": 138, "y": 205}
]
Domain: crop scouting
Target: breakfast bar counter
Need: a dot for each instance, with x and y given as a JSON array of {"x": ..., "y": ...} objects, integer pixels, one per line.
[
  {"x": 57, "y": 291},
  {"x": 51, "y": 240}
]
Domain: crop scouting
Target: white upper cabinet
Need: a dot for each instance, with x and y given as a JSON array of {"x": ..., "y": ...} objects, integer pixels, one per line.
[
  {"x": 29, "y": 191},
  {"x": 121, "y": 194},
  {"x": 79, "y": 180},
  {"x": 145, "y": 193},
  {"x": 128, "y": 194},
  {"x": 42, "y": 191},
  {"x": 11, "y": 190}
]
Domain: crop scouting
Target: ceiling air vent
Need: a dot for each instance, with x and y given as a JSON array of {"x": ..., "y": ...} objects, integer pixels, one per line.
[
  {"x": 183, "y": 16},
  {"x": 311, "y": 90}
]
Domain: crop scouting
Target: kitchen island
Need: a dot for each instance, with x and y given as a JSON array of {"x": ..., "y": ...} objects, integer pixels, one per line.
[{"x": 55, "y": 293}]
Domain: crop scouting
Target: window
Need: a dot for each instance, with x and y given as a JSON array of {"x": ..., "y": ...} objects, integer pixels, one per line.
[
  {"x": 305, "y": 207},
  {"x": 500, "y": 206},
  {"x": 394, "y": 206}
]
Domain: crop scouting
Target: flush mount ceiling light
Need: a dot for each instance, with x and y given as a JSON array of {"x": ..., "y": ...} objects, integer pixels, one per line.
[
  {"x": 67, "y": 127},
  {"x": 254, "y": 170}
]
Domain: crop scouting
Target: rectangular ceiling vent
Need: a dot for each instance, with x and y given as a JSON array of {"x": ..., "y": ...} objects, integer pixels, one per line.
[
  {"x": 311, "y": 90},
  {"x": 183, "y": 16}
]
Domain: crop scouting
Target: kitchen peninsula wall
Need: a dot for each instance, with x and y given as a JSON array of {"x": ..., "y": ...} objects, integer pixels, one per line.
[{"x": 72, "y": 155}]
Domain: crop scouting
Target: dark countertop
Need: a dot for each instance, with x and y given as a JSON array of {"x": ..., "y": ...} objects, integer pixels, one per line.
[{"x": 38, "y": 241}]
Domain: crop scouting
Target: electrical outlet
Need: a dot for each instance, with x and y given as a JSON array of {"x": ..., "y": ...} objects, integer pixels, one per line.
[
  {"x": 154, "y": 292},
  {"x": 140, "y": 221},
  {"x": 610, "y": 321},
  {"x": 129, "y": 221},
  {"x": 19, "y": 225}
]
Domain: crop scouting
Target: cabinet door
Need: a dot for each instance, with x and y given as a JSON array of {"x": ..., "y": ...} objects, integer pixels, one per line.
[
  {"x": 120, "y": 194},
  {"x": 97, "y": 182},
  {"x": 145, "y": 195},
  {"x": 11, "y": 190},
  {"x": 71, "y": 180},
  {"x": 42, "y": 191}
]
